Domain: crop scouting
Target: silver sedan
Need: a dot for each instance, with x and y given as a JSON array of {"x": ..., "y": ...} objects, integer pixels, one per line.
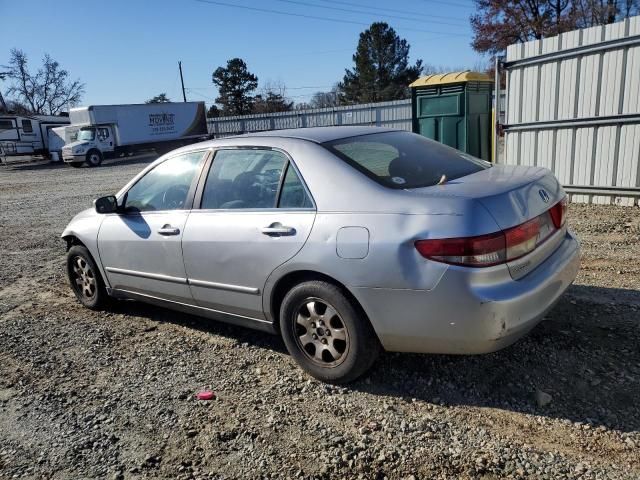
[{"x": 344, "y": 240}]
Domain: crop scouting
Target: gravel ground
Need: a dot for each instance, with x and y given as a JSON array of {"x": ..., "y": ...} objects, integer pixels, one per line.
[{"x": 111, "y": 394}]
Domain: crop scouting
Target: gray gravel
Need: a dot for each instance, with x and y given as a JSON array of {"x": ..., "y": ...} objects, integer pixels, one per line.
[{"x": 111, "y": 394}]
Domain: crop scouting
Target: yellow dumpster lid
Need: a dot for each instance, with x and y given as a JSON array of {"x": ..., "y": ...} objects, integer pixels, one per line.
[{"x": 453, "y": 77}]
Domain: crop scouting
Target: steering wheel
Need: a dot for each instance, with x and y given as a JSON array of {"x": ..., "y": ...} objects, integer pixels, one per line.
[{"x": 174, "y": 197}]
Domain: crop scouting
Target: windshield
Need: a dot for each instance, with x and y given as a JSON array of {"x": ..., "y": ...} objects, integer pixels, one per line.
[
  {"x": 404, "y": 160},
  {"x": 87, "y": 134}
]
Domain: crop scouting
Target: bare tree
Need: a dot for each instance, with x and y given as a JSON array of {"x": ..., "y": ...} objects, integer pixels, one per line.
[
  {"x": 332, "y": 98},
  {"x": 273, "y": 98},
  {"x": 587, "y": 13},
  {"x": 497, "y": 24},
  {"x": 45, "y": 92}
]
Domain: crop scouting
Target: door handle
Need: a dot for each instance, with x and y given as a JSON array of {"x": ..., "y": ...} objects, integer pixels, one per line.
[
  {"x": 168, "y": 230},
  {"x": 277, "y": 229}
]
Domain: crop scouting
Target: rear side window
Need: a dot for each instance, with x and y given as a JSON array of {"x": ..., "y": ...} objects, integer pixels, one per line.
[
  {"x": 403, "y": 159},
  {"x": 243, "y": 178},
  {"x": 293, "y": 193},
  {"x": 26, "y": 126}
]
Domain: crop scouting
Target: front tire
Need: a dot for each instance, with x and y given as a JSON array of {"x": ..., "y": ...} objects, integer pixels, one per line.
[
  {"x": 327, "y": 335},
  {"x": 85, "y": 279},
  {"x": 94, "y": 158}
]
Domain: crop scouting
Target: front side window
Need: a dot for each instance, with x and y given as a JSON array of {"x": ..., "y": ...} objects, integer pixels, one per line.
[
  {"x": 243, "y": 178},
  {"x": 26, "y": 126},
  {"x": 6, "y": 125},
  {"x": 87, "y": 134},
  {"x": 166, "y": 187},
  {"x": 403, "y": 159},
  {"x": 103, "y": 134}
]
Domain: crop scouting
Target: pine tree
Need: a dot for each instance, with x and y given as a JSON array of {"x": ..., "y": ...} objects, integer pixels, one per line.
[
  {"x": 235, "y": 87},
  {"x": 382, "y": 71}
]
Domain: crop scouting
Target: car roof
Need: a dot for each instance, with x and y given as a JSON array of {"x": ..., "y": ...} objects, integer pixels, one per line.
[{"x": 319, "y": 134}]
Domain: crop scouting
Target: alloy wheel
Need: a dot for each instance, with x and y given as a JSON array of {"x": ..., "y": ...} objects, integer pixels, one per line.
[
  {"x": 321, "y": 333},
  {"x": 84, "y": 278}
]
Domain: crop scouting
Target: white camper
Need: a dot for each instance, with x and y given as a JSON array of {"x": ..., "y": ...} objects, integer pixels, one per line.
[
  {"x": 112, "y": 130},
  {"x": 27, "y": 134}
]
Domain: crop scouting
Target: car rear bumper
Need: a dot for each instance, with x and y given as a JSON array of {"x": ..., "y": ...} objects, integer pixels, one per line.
[{"x": 470, "y": 311}]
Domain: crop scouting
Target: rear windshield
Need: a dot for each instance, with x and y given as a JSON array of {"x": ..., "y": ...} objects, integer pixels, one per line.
[{"x": 403, "y": 159}]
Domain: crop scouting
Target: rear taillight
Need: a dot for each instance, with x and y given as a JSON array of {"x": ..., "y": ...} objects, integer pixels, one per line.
[
  {"x": 523, "y": 238},
  {"x": 495, "y": 248},
  {"x": 559, "y": 212},
  {"x": 481, "y": 251}
]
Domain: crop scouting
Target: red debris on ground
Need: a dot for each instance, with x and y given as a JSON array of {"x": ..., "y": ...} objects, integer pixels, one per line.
[{"x": 206, "y": 395}]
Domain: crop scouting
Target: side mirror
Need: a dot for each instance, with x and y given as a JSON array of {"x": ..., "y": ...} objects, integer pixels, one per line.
[{"x": 108, "y": 204}]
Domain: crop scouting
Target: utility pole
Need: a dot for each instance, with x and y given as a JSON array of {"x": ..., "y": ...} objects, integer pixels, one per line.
[{"x": 184, "y": 96}]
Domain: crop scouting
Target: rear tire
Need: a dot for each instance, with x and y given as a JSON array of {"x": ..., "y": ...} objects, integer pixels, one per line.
[
  {"x": 94, "y": 158},
  {"x": 85, "y": 279},
  {"x": 326, "y": 334}
]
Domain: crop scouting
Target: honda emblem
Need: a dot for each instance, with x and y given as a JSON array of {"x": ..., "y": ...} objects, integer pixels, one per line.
[{"x": 544, "y": 195}]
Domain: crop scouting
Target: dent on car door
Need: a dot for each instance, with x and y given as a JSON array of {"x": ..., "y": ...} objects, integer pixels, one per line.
[
  {"x": 255, "y": 214},
  {"x": 140, "y": 248}
]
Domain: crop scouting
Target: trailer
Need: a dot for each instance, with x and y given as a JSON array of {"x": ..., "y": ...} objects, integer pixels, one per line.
[
  {"x": 112, "y": 130},
  {"x": 27, "y": 134}
]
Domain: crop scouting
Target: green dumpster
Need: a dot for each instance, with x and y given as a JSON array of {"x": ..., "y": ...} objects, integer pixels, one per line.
[{"x": 454, "y": 109}]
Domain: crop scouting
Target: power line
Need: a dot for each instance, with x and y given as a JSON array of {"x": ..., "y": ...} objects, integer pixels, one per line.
[
  {"x": 450, "y": 4},
  {"x": 206, "y": 97},
  {"x": 349, "y": 10},
  {"x": 321, "y": 52},
  {"x": 315, "y": 17},
  {"x": 311, "y": 87},
  {"x": 393, "y": 10},
  {"x": 173, "y": 87}
]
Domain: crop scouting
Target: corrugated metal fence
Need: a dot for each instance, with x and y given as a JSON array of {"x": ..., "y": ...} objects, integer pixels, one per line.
[
  {"x": 395, "y": 114},
  {"x": 573, "y": 105}
]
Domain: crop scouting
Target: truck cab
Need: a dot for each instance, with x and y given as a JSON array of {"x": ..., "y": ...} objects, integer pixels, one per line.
[{"x": 92, "y": 146}]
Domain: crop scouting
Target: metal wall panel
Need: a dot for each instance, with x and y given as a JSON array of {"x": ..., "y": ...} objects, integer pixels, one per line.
[
  {"x": 573, "y": 106},
  {"x": 396, "y": 114}
]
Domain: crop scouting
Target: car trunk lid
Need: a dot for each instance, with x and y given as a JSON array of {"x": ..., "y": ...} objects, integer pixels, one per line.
[{"x": 515, "y": 197}]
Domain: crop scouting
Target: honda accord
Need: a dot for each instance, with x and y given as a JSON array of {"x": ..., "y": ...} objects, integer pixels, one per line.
[{"x": 344, "y": 240}]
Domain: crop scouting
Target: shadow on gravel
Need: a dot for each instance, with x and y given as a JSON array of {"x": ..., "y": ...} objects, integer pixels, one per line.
[
  {"x": 33, "y": 165},
  {"x": 47, "y": 165},
  {"x": 585, "y": 355},
  {"x": 201, "y": 324}
]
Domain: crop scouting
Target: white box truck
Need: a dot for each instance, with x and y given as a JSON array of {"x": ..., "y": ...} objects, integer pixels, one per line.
[
  {"x": 114, "y": 130},
  {"x": 27, "y": 134}
]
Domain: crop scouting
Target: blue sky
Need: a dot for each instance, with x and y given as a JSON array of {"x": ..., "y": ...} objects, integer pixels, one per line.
[{"x": 127, "y": 51}]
